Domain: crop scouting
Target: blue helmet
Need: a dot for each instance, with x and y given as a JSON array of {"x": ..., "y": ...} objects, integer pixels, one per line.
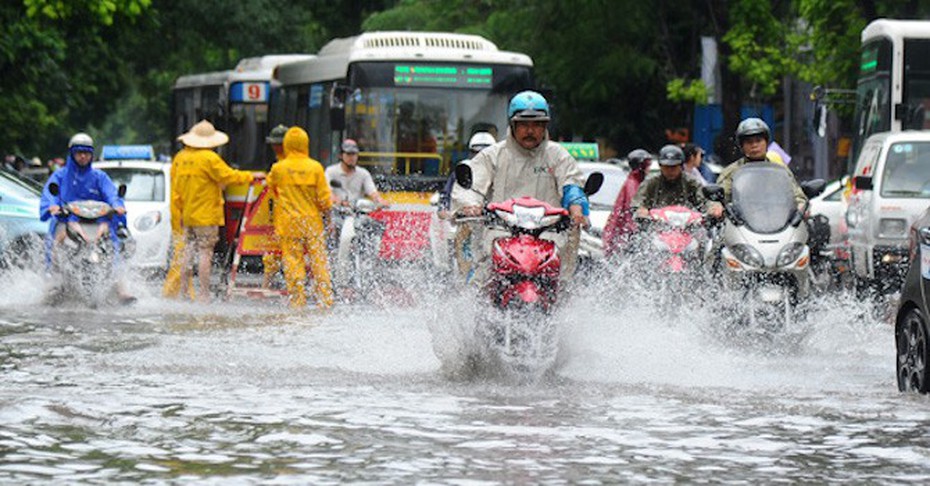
[{"x": 528, "y": 105}]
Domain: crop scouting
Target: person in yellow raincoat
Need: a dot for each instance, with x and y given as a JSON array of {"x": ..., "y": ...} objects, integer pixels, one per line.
[
  {"x": 172, "y": 287},
  {"x": 200, "y": 176},
  {"x": 271, "y": 262},
  {"x": 302, "y": 199}
]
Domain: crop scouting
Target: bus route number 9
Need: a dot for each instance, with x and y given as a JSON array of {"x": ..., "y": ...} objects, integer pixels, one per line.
[{"x": 254, "y": 92}]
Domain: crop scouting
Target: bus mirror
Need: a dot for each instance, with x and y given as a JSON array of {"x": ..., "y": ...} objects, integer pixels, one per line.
[{"x": 337, "y": 119}]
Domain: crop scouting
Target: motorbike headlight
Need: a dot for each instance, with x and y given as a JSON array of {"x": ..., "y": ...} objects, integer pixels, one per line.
[
  {"x": 748, "y": 255},
  {"x": 147, "y": 221},
  {"x": 892, "y": 228},
  {"x": 692, "y": 245},
  {"x": 789, "y": 254},
  {"x": 658, "y": 244}
]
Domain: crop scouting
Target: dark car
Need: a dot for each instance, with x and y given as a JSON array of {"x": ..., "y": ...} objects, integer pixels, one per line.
[{"x": 911, "y": 332}]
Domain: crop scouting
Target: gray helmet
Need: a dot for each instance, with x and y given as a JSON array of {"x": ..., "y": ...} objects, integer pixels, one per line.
[
  {"x": 671, "y": 155},
  {"x": 276, "y": 135},
  {"x": 638, "y": 158},
  {"x": 750, "y": 127}
]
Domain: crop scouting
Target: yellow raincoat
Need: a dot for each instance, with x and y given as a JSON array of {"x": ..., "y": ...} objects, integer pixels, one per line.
[
  {"x": 172, "y": 287},
  {"x": 302, "y": 198},
  {"x": 271, "y": 262},
  {"x": 200, "y": 176}
]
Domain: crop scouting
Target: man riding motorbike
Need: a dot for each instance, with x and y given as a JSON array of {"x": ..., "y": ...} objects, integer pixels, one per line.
[
  {"x": 753, "y": 137},
  {"x": 79, "y": 181},
  {"x": 670, "y": 188},
  {"x": 525, "y": 163}
]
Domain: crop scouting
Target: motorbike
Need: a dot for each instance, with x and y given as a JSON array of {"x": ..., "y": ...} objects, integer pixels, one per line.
[
  {"x": 357, "y": 245},
  {"x": 672, "y": 242},
  {"x": 516, "y": 302},
  {"x": 84, "y": 253},
  {"x": 764, "y": 255}
]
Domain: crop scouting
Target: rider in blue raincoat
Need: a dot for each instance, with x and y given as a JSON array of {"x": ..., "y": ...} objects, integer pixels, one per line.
[{"x": 77, "y": 181}]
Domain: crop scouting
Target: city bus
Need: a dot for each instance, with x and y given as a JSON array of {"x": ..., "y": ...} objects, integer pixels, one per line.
[
  {"x": 411, "y": 100},
  {"x": 235, "y": 101},
  {"x": 893, "y": 89}
]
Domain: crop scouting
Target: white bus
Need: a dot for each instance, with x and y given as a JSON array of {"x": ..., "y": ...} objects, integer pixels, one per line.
[
  {"x": 236, "y": 102},
  {"x": 893, "y": 90},
  {"x": 411, "y": 100}
]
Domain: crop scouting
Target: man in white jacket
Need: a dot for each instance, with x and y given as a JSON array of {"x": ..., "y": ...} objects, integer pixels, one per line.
[{"x": 526, "y": 163}]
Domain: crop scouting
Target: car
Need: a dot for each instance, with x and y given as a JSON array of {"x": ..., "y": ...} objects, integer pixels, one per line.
[
  {"x": 912, "y": 336},
  {"x": 148, "y": 211},
  {"x": 891, "y": 188},
  {"x": 602, "y": 203},
  {"x": 831, "y": 205},
  {"x": 21, "y": 231}
]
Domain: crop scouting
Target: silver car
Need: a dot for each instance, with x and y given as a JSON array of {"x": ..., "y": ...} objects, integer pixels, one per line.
[{"x": 21, "y": 231}]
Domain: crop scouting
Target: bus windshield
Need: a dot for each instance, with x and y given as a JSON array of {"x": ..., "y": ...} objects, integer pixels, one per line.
[
  {"x": 917, "y": 82},
  {"x": 413, "y": 121},
  {"x": 247, "y": 126},
  {"x": 873, "y": 93}
]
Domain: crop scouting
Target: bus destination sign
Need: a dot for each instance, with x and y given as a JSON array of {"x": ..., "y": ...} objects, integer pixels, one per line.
[{"x": 433, "y": 75}]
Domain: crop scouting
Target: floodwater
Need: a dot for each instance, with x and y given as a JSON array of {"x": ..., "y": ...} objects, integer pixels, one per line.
[{"x": 245, "y": 392}]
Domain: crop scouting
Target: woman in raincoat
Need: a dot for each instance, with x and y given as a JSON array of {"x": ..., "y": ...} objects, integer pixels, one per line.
[
  {"x": 620, "y": 223},
  {"x": 302, "y": 199},
  {"x": 200, "y": 176}
]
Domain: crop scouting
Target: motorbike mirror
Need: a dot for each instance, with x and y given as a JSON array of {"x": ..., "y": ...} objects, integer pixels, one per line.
[
  {"x": 863, "y": 183},
  {"x": 121, "y": 190},
  {"x": 713, "y": 192},
  {"x": 53, "y": 189},
  {"x": 813, "y": 187},
  {"x": 463, "y": 175},
  {"x": 594, "y": 183},
  {"x": 335, "y": 184}
]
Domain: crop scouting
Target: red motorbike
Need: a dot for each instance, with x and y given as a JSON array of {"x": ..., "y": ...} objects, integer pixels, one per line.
[
  {"x": 678, "y": 237},
  {"x": 525, "y": 268},
  {"x": 522, "y": 285}
]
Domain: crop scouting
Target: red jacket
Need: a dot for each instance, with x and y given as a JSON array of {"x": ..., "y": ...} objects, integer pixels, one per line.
[{"x": 620, "y": 223}]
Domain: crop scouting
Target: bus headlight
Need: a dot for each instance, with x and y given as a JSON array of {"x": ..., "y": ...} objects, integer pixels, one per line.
[{"x": 147, "y": 221}]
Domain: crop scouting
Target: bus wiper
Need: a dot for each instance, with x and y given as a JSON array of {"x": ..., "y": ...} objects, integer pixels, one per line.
[{"x": 903, "y": 193}]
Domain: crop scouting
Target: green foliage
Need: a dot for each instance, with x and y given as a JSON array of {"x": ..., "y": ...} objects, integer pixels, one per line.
[
  {"x": 682, "y": 91},
  {"x": 105, "y": 11}
]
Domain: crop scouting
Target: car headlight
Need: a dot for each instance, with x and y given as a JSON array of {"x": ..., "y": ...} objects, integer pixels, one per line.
[
  {"x": 789, "y": 254},
  {"x": 748, "y": 255},
  {"x": 147, "y": 221},
  {"x": 892, "y": 228}
]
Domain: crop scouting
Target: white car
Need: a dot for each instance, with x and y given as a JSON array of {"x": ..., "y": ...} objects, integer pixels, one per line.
[
  {"x": 602, "y": 203},
  {"x": 830, "y": 204},
  {"x": 148, "y": 212}
]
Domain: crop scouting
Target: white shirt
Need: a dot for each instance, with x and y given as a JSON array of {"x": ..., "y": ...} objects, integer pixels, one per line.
[{"x": 356, "y": 185}]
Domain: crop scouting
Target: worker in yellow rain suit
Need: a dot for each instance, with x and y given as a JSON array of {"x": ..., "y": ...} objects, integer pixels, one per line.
[
  {"x": 302, "y": 199},
  {"x": 271, "y": 262},
  {"x": 200, "y": 176},
  {"x": 172, "y": 287}
]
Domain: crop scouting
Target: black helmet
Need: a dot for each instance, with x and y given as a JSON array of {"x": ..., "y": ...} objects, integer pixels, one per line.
[
  {"x": 638, "y": 158},
  {"x": 671, "y": 155},
  {"x": 750, "y": 127}
]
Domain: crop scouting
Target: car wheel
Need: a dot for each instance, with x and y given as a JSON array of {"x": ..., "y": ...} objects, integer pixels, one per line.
[{"x": 912, "y": 352}]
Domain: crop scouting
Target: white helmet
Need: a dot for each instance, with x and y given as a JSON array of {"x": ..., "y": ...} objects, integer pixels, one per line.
[
  {"x": 480, "y": 141},
  {"x": 81, "y": 139}
]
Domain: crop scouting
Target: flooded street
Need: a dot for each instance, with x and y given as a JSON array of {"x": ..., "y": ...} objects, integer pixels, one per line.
[{"x": 240, "y": 393}]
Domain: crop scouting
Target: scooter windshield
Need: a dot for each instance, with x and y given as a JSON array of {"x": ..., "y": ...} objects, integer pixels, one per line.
[{"x": 763, "y": 195}]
